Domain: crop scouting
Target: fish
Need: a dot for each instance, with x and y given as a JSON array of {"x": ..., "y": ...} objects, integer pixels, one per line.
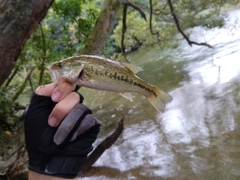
[{"x": 102, "y": 73}]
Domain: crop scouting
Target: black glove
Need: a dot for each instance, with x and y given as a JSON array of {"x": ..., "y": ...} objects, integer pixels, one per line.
[{"x": 58, "y": 151}]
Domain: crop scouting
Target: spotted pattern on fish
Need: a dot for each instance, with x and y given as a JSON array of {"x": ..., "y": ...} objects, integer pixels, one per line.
[
  {"x": 115, "y": 76},
  {"x": 104, "y": 74}
]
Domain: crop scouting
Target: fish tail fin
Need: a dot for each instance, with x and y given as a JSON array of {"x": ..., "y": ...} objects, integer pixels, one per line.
[{"x": 159, "y": 99}]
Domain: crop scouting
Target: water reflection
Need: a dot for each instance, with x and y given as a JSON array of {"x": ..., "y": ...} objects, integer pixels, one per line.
[{"x": 198, "y": 137}]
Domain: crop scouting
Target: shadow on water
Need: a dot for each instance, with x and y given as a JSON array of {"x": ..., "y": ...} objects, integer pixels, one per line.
[{"x": 198, "y": 136}]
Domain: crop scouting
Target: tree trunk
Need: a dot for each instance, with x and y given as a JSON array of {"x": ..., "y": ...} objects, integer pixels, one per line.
[
  {"x": 18, "y": 19},
  {"x": 105, "y": 144},
  {"x": 96, "y": 42},
  {"x": 103, "y": 28}
]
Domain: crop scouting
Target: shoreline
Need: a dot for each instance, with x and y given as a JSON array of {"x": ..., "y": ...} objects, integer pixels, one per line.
[{"x": 229, "y": 7}]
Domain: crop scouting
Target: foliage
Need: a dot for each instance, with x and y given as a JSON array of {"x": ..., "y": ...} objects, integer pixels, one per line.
[
  {"x": 65, "y": 29},
  {"x": 5, "y": 105},
  {"x": 61, "y": 34},
  {"x": 190, "y": 14},
  {"x": 64, "y": 32},
  {"x": 79, "y": 16},
  {"x": 135, "y": 26}
]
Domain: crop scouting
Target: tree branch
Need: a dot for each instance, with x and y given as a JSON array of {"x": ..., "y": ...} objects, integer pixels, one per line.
[
  {"x": 105, "y": 144},
  {"x": 11, "y": 76},
  {"x": 124, "y": 20},
  {"x": 42, "y": 68},
  {"x": 23, "y": 85},
  {"x": 181, "y": 31},
  {"x": 124, "y": 29},
  {"x": 129, "y": 3},
  {"x": 150, "y": 23}
]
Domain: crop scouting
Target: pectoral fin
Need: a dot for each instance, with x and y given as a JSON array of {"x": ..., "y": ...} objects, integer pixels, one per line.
[{"x": 127, "y": 96}]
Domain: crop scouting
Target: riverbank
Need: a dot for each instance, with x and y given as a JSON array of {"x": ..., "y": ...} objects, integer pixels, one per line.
[{"x": 229, "y": 7}]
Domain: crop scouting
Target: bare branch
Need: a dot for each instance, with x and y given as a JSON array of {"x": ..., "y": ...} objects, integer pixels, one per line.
[
  {"x": 136, "y": 8},
  {"x": 124, "y": 20},
  {"x": 124, "y": 29},
  {"x": 150, "y": 23},
  {"x": 10, "y": 78},
  {"x": 44, "y": 55},
  {"x": 105, "y": 144},
  {"x": 181, "y": 31},
  {"x": 23, "y": 85}
]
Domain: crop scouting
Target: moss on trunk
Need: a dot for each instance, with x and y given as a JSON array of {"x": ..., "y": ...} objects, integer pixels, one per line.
[{"x": 103, "y": 28}]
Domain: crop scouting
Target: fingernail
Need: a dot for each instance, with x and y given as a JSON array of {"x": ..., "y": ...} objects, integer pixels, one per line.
[
  {"x": 53, "y": 121},
  {"x": 56, "y": 96}
]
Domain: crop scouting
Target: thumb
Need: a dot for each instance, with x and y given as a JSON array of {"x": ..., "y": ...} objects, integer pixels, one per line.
[{"x": 45, "y": 90}]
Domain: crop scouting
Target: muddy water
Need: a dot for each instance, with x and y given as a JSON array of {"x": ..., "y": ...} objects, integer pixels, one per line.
[{"x": 198, "y": 136}]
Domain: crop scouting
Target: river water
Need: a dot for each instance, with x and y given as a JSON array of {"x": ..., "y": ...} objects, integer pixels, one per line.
[{"x": 198, "y": 136}]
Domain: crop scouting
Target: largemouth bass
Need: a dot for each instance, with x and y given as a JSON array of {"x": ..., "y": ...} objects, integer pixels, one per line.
[{"x": 104, "y": 74}]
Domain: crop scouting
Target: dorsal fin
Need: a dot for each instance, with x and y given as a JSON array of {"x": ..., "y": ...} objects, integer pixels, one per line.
[{"x": 135, "y": 69}]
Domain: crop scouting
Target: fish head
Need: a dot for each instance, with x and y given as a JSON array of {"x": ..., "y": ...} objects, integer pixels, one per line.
[{"x": 66, "y": 71}]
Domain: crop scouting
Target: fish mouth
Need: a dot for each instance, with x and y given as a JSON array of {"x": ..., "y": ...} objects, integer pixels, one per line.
[{"x": 52, "y": 73}]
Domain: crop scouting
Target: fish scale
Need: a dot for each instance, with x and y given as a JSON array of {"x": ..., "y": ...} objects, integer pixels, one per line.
[{"x": 104, "y": 74}]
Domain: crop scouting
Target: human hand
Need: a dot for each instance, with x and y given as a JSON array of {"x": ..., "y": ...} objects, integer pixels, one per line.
[
  {"x": 59, "y": 150},
  {"x": 65, "y": 98}
]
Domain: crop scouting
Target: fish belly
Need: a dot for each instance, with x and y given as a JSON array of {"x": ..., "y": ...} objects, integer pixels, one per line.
[{"x": 119, "y": 84}]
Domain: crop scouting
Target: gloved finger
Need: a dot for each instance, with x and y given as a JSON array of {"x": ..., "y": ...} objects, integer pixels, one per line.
[
  {"x": 35, "y": 121},
  {"x": 70, "y": 123},
  {"x": 88, "y": 122},
  {"x": 83, "y": 143},
  {"x": 62, "y": 108},
  {"x": 62, "y": 90}
]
